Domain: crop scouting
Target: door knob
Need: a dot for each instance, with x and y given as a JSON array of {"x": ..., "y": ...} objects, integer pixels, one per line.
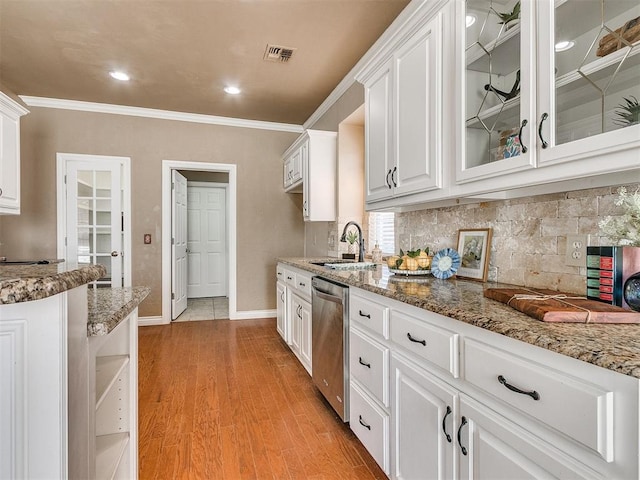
[{"x": 114, "y": 254}]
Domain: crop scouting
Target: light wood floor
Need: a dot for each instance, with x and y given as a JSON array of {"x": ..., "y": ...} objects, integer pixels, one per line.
[{"x": 228, "y": 400}]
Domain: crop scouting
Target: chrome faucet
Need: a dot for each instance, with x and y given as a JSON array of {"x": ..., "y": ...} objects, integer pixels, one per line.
[{"x": 343, "y": 238}]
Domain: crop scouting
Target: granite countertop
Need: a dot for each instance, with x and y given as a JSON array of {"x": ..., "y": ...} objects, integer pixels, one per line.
[
  {"x": 24, "y": 283},
  {"x": 615, "y": 347},
  {"x": 109, "y": 306}
]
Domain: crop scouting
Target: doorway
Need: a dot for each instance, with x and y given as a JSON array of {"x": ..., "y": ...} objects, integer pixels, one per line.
[
  {"x": 94, "y": 214},
  {"x": 189, "y": 169}
]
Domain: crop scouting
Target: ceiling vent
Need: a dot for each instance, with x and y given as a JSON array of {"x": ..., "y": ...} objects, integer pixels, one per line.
[{"x": 278, "y": 53}]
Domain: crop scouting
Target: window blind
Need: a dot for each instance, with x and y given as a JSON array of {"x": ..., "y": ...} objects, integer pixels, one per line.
[{"x": 381, "y": 230}]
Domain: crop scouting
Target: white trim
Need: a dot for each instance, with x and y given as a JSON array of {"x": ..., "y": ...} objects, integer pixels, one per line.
[
  {"x": 9, "y": 105},
  {"x": 207, "y": 184},
  {"x": 167, "y": 166},
  {"x": 61, "y": 190},
  {"x": 150, "y": 321},
  {"x": 249, "y": 314},
  {"x": 155, "y": 113}
]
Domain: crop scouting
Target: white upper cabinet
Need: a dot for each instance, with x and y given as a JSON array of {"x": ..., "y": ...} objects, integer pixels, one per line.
[
  {"x": 548, "y": 97},
  {"x": 589, "y": 83},
  {"x": 10, "y": 113},
  {"x": 310, "y": 166},
  {"x": 404, "y": 101},
  {"x": 496, "y": 75}
]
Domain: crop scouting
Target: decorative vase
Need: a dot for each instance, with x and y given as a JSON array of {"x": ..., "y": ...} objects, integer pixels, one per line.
[{"x": 631, "y": 291}]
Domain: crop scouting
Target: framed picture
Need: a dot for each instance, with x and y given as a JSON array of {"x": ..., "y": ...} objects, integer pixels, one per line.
[{"x": 474, "y": 247}]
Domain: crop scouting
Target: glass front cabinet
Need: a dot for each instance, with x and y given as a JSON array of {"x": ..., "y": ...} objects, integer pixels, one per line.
[{"x": 548, "y": 88}]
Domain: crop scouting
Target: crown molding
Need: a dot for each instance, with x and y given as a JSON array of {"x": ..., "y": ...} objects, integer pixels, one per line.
[
  {"x": 158, "y": 114},
  {"x": 8, "y": 104},
  {"x": 383, "y": 43}
]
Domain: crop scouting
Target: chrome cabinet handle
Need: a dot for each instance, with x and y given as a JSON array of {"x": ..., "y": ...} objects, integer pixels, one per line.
[
  {"x": 366, "y": 315},
  {"x": 444, "y": 427},
  {"x": 387, "y": 179},
  {"x": 395, "y": 169},
  {"x": 542, "y": 119},
  {"x": 463, "y": 422},
  {"x": 368, "y": 427},
  {"x": 533, "y": 394},
  {"x": 114, "y": 254},
  {"x": 0, "y": 192},
  {"x": 289, "y": 278},
  {"x": 524, "y": 124},
  {"x": 368, "y": 365},
  {"x": 423, "y": 342}
]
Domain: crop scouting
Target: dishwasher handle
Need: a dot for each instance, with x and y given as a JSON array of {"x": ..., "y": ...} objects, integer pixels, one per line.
[{"x": 327, "y": 296}]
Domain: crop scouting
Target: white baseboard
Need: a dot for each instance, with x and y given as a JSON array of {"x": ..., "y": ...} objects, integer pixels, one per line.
[
  {"x": 248, "y": 314},
  {"x": 148, "y": 321}
]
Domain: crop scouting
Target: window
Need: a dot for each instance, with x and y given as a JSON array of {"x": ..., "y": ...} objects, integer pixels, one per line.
[{"x": 381, "y": 230}]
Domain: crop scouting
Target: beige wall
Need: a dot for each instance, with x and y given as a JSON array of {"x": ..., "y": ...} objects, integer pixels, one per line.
[{"x": 269, "y": 221}]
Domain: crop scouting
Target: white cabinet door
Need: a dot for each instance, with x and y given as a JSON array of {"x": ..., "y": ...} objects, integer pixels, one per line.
[
  {"x": 495, "y": 71},
  {"x": 423, "y": 424},
  {"x": 10, "y": 113},
  {"x": 582, "y": 89},
  {"x": 305, "y": 334},
  {"x": 378, "y": 135},
  {"x": 281, "y": 302},
  {"x": 295, "y": 317},
  {"x": 491, "y": 447},
  {"x": 418, "y": 116}
]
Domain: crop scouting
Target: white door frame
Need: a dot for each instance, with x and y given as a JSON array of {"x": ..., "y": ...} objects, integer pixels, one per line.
[
  {"x": 61, "y": 194},
  {"x": 167, "y": 166},
  {"x": 225, "y": 186}
]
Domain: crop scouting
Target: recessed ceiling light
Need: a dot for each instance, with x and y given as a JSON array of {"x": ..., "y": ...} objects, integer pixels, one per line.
[
  {"x": 470, "y": 19},
  {"x": 232, "y": 90},
  {"x": 564, "y": 45},
  {"x": 119, "y": 76}
]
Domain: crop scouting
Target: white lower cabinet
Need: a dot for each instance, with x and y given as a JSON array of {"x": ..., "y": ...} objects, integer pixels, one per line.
[
  {"x": 281, "y": 309},
  {"x": 423, "y": 423},
  {"x": 293, "y": 290},
  {"x": 471, "y": 404}
]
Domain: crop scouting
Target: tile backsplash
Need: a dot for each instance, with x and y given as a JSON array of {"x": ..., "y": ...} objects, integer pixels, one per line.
[{"x": 529, "y": 234}]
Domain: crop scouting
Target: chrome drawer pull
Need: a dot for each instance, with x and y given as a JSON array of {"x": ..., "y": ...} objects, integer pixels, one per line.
[
  {"x": 444, "y": 428},
  {"x": 533, "y": 394},
  {"x": 463, "y": 422},
  {"x": 522, "y": 125},
  {"x": 368, "y": 365},
  {"x": 423, "y": 342},
  {"x": 364, "y": 314},
  {"x": 368, "y": 427},
  {"x": 542, "y": 119}
]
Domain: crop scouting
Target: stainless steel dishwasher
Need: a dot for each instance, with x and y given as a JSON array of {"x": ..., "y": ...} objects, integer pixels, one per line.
[{"x": 330, "y": 343}]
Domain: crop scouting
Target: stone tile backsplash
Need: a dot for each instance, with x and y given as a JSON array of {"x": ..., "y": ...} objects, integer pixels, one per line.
[{"x": 529, "y": 234}]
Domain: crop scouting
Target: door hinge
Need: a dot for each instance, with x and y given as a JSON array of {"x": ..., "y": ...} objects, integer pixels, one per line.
[
  {"x": 173, "y": 241},
  {"x": 173, "y": 185},
  {"x": 173, "y": 296},
  {"x": 65, "y": 241},
  {"x": 65, "y": 179}
]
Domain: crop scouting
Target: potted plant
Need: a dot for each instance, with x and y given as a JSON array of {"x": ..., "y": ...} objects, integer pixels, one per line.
[
  {"x": 352, "y": 238},
  {"x": 510, "y": 18},
  {"x": 628, "y": 113}
]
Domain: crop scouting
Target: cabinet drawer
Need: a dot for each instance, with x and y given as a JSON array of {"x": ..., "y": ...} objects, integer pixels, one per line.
[
  {"x": 290, "y": 278},
  {"x": 369, "y": 365},
  {"x": 371, "y": 426},
  {"x": 432, "y": 343},
  {"x": 573, "y": 406},
  {"x": 371, "y": 315},
  {"x": 303, "y": 284}
]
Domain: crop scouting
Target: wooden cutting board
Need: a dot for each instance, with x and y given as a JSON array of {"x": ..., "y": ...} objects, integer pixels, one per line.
[{"x": 552, "y": 306}]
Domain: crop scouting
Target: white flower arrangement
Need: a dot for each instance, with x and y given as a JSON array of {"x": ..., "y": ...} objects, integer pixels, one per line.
[{"x": 624, "y": 229}]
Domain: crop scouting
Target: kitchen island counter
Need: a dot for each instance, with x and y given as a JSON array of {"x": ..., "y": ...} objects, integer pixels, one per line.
[
  {"x": 109, "y": 306},
  {"x": 611, "y": 346},
  {"x": 25, "y": 283}
]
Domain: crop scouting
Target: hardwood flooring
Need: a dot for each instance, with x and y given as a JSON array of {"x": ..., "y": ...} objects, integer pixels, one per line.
[{"x": 227, "y": 399}]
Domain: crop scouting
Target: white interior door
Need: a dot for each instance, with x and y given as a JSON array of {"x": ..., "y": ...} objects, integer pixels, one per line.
[
  {"x": 207, "y": 245},
  {"x": 178, "y": 244},
  {"x": 95, "y": 206}
]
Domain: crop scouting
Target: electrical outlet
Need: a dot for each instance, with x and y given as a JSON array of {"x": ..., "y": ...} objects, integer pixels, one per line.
[{"x": 576, "y": 254}]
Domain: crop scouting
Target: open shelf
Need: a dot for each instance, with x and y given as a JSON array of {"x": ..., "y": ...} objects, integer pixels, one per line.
[
  {"x": 108, "y": 370},
  {"x": 109, "y": 452}
]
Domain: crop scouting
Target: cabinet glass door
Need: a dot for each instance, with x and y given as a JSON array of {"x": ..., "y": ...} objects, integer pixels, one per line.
[
  {"x": 497, "y": 87},
  {"x": 593, "y": 78}
]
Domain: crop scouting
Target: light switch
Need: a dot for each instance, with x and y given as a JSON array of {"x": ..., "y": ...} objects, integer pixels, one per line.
[{"x": 147, "y": 238}]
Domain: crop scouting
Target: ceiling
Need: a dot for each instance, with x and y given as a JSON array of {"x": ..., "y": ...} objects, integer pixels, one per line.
[{"x": 181, "y": 53}]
